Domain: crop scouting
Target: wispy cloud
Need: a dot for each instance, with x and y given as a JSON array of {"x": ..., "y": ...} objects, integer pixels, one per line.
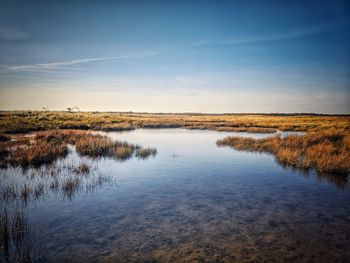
[
  {"x": 60, "y": 64},
  {"x": 272, "y": 37},
  {"x": 11, "y": 33}
]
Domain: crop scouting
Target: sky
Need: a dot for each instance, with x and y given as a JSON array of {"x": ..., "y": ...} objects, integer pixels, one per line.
[{"x": 176, "y": 56}]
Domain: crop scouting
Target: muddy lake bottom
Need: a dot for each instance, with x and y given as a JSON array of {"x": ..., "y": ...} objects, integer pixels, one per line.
[{"x": 192, "y": 202}]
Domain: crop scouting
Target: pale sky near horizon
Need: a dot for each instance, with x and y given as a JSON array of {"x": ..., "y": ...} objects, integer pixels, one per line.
[{"x": 176, "y": 56}]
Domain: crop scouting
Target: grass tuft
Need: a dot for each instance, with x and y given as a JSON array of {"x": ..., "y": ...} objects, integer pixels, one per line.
[{"x": 145, "y": 152}]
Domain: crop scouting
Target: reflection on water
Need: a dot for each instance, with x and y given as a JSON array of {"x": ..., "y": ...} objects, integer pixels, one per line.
[
  {"x": 341, "y": 181},
  {"x": 16, "y": 242},
  {"x": 193, "y": 202}
]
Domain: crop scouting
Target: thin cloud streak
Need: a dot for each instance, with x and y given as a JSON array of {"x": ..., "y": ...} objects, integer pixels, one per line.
[
  {"x": 55, "y": 65},
  {"x": 271, "y": 38},
  {"x": 12, "y": 33}
]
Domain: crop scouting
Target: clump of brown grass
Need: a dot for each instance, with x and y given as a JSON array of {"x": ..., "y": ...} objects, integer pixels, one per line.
[
  {"x": 102, "y": 146},
  {"x": 143, "y": 153},
  {"x": 8, "y": 146},
  {"x": 36, "y": 154},
  {"x": 123, "y": 152},
  {"x": 48, "y": 146},
  {"x": 327, "y": 151}
]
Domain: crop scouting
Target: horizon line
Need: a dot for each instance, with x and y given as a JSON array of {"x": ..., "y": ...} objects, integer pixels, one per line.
[{"x": 186, "y": 113}]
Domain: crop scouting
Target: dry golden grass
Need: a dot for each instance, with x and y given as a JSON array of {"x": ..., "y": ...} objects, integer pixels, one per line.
[
  {"x": 97, "y": 146},
  {"x": 24, "y": 121},
  {"x": 327, "y": 151},
  {"x": 39, "y": 152},
  {"x": 48, "y": 146}
]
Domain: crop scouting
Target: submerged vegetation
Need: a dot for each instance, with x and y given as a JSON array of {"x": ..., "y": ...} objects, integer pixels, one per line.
[
  {"x": 48, "y": 146},
  {"x": 326, "y": 151},
  {"x": 82, "y": 168},
  {"x": 65, "y": 182},
  {"x": 16, "y": 240}
]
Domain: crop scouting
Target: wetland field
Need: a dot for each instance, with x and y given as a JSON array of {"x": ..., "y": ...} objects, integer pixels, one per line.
[{"x": 141, "y": 187}]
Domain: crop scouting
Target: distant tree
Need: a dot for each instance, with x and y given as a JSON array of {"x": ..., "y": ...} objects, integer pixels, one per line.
[
  {"x": 46, "y": 108},
  {"x": 71, "y": 109}
]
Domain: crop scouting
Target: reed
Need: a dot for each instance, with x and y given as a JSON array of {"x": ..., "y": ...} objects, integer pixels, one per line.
[
  {"x": 9, "y": 193},
  {"x": 26, "y": 192},
  {"x": 70, "y": 186}
]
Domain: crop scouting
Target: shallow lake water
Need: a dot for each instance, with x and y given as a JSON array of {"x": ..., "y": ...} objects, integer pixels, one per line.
[{"x": 195, "y": 201}]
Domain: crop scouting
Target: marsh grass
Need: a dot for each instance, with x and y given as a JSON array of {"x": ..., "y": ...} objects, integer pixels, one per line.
[
  {"x": 54, "y": 185},
  {"x": 46, "y": 147},
  {"x": 65, "y": 188},
  {"x": 143, "y": 153},
  {"x": 25, "y": 192},
  {"x": 82, "y": 168},
  {"x": 102, "y": 146},
  {"x": 70, "y": 186},
  {"x": 9, "y": 193},
  {"x": 62, "y": 180},
  {"x": 326, "y": 151},
  {"x": 26, "y": 121},
  {"x": 27, "y": 153}
]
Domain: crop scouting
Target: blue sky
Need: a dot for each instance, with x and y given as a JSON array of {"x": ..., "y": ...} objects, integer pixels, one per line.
[{"x": 173, "y": 56}]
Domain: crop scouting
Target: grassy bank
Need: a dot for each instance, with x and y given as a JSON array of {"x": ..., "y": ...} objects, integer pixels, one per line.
[
  {"x": 24, "y": 121},
  {"x": 326, "y": 151}
]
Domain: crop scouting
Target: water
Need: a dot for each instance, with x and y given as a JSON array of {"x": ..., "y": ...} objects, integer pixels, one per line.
[{"x": 195, "y": 201}]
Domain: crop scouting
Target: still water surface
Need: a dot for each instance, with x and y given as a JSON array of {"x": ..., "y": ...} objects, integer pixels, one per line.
[{"x": 195, "y": 201}]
